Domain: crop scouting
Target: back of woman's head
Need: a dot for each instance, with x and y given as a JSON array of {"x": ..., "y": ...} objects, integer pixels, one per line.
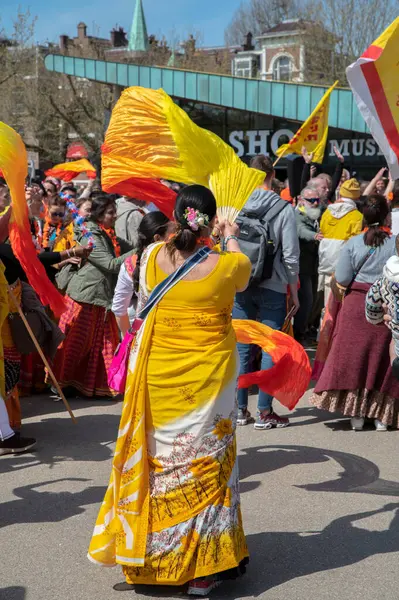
[
  {"x": 375, "y": 213},
  {"x": 198, "y": 198},
  {"x": 99, "y": 207},
  {"x": 152, "y": 225}
]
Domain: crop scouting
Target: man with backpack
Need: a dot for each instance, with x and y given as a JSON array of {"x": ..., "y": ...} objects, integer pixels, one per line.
[
  {"x": 129, "y": 213},
  {"x": 268, "y": 236}
]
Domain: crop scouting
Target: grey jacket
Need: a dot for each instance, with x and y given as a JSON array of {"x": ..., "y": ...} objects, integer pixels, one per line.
[
  {"x": 283, "y": 230},
  {"x": 352, "y": 254},
  {"x": 129, "y": 214},
  {"x": 95, "y": 281}
]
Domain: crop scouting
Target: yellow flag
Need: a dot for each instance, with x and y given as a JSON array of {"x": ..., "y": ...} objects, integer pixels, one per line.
[{"x": 313, "y": 133}]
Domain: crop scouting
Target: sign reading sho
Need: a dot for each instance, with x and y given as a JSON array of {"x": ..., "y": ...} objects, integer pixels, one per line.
[{"x": 266, "y": 141}]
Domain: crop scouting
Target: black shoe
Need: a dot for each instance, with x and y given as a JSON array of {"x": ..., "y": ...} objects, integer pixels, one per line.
[
  {"x": 16, "y": 444},
  {"x": 123, "y": 587}
]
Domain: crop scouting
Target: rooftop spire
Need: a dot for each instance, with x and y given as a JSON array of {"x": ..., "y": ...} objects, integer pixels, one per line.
[
  {"x": 138, "y": 38},
  {"x": 172, "y": 59}
]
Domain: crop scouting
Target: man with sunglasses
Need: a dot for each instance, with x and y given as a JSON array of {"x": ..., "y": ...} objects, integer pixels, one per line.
[{"x": 308, "y": 214}]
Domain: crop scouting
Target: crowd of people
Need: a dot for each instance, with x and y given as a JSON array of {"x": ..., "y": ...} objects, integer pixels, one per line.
[{"x": 328, "y": 262}]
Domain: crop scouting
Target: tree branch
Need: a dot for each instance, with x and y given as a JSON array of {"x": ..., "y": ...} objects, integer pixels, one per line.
[
  {"x": 89, "y": 141},
  {"x": 7, "y": 78},
  {"x": 79, "y": 100}
]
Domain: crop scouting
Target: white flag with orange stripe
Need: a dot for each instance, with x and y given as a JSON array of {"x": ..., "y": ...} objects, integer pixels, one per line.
[{"x": 374, "y": 79}]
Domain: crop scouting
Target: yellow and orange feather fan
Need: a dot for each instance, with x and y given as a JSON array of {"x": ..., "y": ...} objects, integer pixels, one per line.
[
  {"x": 149, "y": 138},
  {"x": 14, "y": 167}
]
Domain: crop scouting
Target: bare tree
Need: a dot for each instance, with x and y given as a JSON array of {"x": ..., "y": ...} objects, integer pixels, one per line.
[
  {"x": 48, "y": 108},
  {"x": 356, "y": 23},
  {"x": 15, "y": 46},
  {"x": 346, "y": 29},
  {"x": 335, "y": 32},
  {"x": 257, "y": 16}
]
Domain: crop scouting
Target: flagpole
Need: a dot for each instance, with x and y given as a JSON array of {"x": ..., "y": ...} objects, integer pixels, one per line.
[
  {"x": 281, "y": 155},
  {"x": 278, "y": 158},
  {"x": 296, "y": 138},
  {"x": 40, "y": 351}
]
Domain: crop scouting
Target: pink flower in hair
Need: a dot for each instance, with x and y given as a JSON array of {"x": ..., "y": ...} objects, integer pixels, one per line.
[{"x": 195, "y": 219}]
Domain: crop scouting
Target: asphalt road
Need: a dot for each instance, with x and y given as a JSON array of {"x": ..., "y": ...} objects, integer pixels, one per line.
[{"x": 320, "y": 506}]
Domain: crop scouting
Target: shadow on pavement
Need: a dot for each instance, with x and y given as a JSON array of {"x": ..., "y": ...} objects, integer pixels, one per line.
[
  {"x": 315, "y": 415},
  {"x": 13, "y": 593},
  {"x": 278, "y": 557},
  {"x": 33, "y": 506},
  {"x": 91, "y": 440},
  {"x": 43, "y": 404},
  {"x": 357, "y": 474}
]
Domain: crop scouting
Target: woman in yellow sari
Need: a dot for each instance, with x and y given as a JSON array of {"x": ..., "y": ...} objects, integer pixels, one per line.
[{"x": 171, "y": 514}]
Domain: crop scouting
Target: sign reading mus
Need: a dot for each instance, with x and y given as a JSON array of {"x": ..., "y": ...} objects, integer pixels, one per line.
[{"x": 266, "y": 141}]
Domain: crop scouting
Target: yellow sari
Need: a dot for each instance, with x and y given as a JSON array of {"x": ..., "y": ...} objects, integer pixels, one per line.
[{"x": 172, "y": 509}]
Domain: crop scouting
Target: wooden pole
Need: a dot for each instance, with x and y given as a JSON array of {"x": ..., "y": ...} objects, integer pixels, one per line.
[
  {"x": 278, "y": 158},
  {"x": 40, "y": 351}
]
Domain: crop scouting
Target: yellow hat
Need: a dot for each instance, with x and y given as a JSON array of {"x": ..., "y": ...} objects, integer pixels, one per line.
[{"x": 350, "y": 189}]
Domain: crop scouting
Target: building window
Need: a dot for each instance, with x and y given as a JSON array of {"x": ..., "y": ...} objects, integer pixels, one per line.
[
  {"x": 282, "y": 69},
  {"x": 243, "y": 68}
]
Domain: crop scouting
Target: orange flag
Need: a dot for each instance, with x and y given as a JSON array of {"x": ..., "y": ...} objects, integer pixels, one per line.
[
  {"x": 69, "y": 170},
  {"x": 14, "y": 164},
  {"x": 289, "y": 377}
]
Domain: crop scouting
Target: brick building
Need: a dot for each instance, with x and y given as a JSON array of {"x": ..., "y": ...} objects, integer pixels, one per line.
[
  {"x": 279, "y": 54},
  {"x": 89, "y": 45},
  {"x": 119, "y": 46}
]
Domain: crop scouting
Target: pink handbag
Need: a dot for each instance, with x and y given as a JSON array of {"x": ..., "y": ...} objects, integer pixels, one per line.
[{"x": 117, "y": 373}]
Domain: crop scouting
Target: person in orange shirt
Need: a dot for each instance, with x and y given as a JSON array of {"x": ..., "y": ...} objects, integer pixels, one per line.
[{"x": 286, "y": 195}]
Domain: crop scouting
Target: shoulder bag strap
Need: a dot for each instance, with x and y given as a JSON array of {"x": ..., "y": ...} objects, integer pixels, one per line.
[
  {"x": 162, "y": 288},
  {"x": 274, "y": 210},
  {"x": 358, "y": 269}
]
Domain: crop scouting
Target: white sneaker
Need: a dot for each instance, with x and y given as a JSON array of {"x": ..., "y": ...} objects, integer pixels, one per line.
[
  {"x": 202, "y": 587},
  {"x": 357, "y": 423},
  {"x": 379, "y": 426}
]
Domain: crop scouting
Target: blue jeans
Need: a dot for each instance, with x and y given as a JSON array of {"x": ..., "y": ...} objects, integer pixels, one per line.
[{"x": 267, "y": 307}]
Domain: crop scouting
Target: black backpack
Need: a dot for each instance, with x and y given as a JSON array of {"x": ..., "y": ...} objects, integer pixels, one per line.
[{"x": 256, "y": 242}]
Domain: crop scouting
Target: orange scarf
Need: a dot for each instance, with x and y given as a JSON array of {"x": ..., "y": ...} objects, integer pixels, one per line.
[
  {"x": 110, "y": 232},
  {"x": 46, "y": 233},
  {"x": 382, "y": 227}
]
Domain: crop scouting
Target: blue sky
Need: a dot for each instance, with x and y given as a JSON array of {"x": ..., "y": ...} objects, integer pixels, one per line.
[{"x": 172, "y": 18}]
